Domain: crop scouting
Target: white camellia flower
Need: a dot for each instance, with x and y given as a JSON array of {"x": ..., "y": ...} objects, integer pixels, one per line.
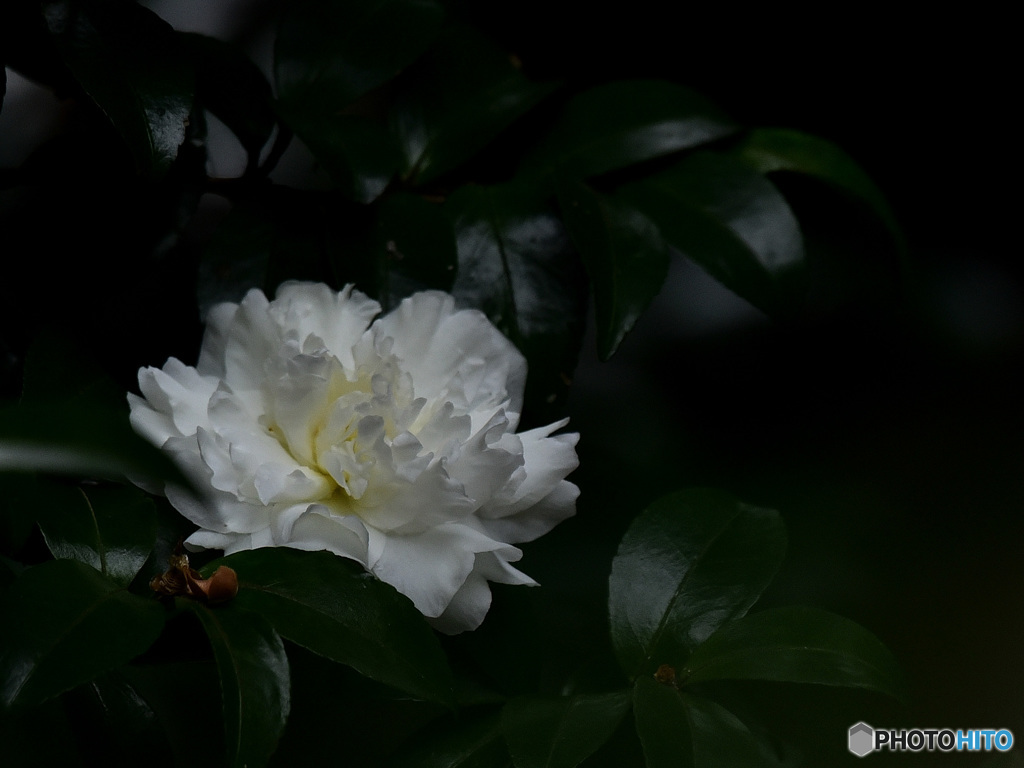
[{"x": 392, "y": 443}]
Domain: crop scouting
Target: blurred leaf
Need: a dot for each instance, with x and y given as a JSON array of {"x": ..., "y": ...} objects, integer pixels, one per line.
[
  {"x": 183, "y": 696},
  {"x": 114, "y": 725},
  {"x": 128, "y": 60},
  {"x": 679, "y": 730},
  {"x": 110, "y": 528},
  {"x": 516, "y": 264},
  {"x": 617, "y": 124},
  {"x": 326, "y": 55},
  {"x": 456, "y": 101},
  {"x": 236, "y": 257},
  {"x": 624, "y": 253},
  {"x": 474, "y": 742},
  {"x": 731, "y": 221},
  {"x": 560, "y": 732},
  {"x": 797, "y": 644},
  {"x": 690, "y": 562},
  {"x": 779, "y": 149},
  {"x": 233, "y": 88},
  {"x": 373, "y": 721},
  {"x": 62, "y": 624},
  {"x": 331, "y": 606},
  {"x": 357, "y": 151},
  {"x": 254, "y": 682},
  {"x": 74, "y": 438},
  {"x": 279, "y": 234},
  {"x": 415, "y": 248}
]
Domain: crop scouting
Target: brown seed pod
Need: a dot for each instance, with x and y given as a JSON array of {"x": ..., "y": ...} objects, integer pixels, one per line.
[
  {"x": 181, "y": 580},
  {"x": 666, "y": 675}
]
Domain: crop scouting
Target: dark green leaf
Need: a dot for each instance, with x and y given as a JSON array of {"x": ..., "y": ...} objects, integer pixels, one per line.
[
  {"x": 233, "y": 88},
  {"x": 112, "y": 529},
  {"x": 173, "y": 691},
  {"x": 560, "y": 732},
  {"x": 679, "y": 730},
  {"x": 779, "y": 149},
  {"x": 254, "y": 681},
  {"x": 415, "y": 248},
  {"x": 625, "y": 255},
  {"x": 731, "y": 221},
  {"x": 516, "y": 264},
  {"x": 621, "y": 123},
  {"x": 62, "y": 624},
  {"x": 332, "y": 607},
  {"x": 474, "y": 742},
  {"x": 797, "y": 644},
  {"x": 357, "y": 151},
  {"x": 275, "y": 235},
  {"x": 128, "y": 60},
  {"x": 114, "y": 724},
  {"x": 690, "y": 562},
  {"x": 326, "y": 55},
  {"x": 72, "y": 438},
  {"x": 457, "y": 100}
]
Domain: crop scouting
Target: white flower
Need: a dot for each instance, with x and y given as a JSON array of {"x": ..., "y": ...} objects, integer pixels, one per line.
[{"x": 391, "y": 443}]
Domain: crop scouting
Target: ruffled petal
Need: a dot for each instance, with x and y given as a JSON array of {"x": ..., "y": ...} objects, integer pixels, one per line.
[
  {"x": 338, "y": 320},
  {"x": 440, "y": 346},
  {"x": 547, "y": 461}
]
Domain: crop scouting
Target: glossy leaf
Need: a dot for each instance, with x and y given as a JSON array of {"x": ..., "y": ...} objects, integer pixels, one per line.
[
  {"x": 779, "y": 149},
  {"x": 458, "y": 99},
  {"x": 797, "y": 644},
  {"x": 474, "y": 742},
  {"x": 253, "y": 670},
  {"x": 326, "y": 55},
  {"x": 731, "y": 221},
  {"x": 70, "y": 438},
  {"x": 679, "y": 730},
  {"x": 233, "y": 88},
  {"x": 128, "y": 60},
  {"x": 689, "y": 563},
  {"x": 112, "y": 529},
  {"x": 414, "y": 247},
  {"x": 516, "y": 264},
  {"x": 61, "y": 624},
  {"x": 624, "y": 253},
  {"x": 560, "y": 732},
  {"x": 618, "y": 124},
  {"x": 332, "y": 607}
]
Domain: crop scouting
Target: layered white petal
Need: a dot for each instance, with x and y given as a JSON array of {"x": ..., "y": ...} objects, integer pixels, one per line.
[{"x": 390, "y": 441}]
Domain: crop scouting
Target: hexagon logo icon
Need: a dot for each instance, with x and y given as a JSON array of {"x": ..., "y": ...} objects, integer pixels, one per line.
[{"x": 862, "y": 739}]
